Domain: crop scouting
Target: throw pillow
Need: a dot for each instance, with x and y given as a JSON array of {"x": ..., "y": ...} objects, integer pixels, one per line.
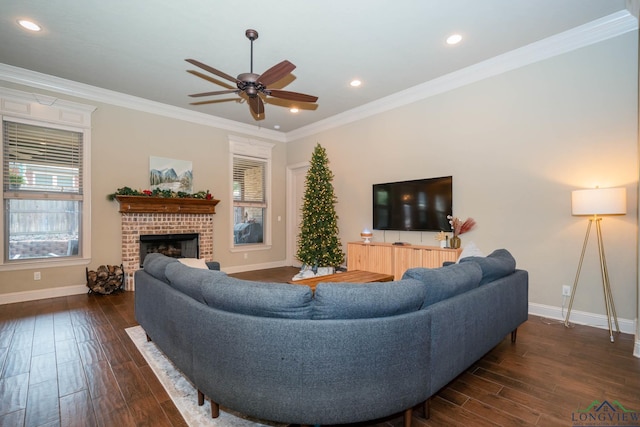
[
  {"x": 497, "y": 264},
  {"x": 194, "y": 262},
  {"x": 367, "y": 300},
  {"x": 470, "y": 250},
  {"x": 446, "y": 282}
]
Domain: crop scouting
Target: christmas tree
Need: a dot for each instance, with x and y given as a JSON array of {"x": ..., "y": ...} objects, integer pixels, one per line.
[{"x": 318, "y": 241}]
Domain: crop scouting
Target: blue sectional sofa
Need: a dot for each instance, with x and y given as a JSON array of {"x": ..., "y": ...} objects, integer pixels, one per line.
[{"x": 348, "y": 353}]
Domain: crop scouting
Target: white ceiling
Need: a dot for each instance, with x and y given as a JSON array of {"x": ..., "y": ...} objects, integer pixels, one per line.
[{"x": 139, "y": 47}]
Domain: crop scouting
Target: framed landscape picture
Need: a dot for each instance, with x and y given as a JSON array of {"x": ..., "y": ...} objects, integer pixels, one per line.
[{"x": 170, "y": 174}]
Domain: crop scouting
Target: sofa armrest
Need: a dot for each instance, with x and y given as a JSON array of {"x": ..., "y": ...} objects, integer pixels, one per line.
[{"x": 213, "y": 265}]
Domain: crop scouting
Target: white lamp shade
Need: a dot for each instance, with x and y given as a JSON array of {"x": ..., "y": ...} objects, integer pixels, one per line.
[{"x": 599, "y": 201}]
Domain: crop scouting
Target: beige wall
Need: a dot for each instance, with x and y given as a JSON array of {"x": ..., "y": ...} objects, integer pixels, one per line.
[
  {"x": 122, "y": 141},
  {"x": 516, "y": 145}
]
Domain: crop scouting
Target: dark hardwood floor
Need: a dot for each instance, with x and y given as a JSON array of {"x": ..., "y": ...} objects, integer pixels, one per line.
[{"x": 68, "y": 362}]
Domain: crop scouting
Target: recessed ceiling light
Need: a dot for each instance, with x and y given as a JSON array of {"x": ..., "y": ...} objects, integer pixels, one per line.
[
  {"x": 454, "y": 39},
  {"x": 29, "y": 25},
  {"x": 294, "y": 110},
  {"x": 355, "y": 83},
  {"x": 276, "y": 127}
]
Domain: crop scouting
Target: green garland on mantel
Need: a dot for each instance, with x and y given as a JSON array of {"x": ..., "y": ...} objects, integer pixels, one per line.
[{"x": 156, "y": 192}]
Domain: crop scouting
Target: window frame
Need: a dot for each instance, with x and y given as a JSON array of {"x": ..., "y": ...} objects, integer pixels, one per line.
[
  {"x": 260, "y": 151},
  {"x": 44, "y": 111}
]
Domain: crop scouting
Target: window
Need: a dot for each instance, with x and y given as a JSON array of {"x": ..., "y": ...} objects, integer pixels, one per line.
[
  {"x": 43, "y": 191},
  {"x": 251, "y": 161},
  {"x": 45, "y": 180}
]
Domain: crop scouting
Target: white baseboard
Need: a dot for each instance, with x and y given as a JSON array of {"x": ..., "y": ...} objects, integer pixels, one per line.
[
  {"x": 263, "y": 266},
  {"x": 636, "y": 348},
  {"x": 627, "y": 326},
  {"x": 42, "y": 294}
]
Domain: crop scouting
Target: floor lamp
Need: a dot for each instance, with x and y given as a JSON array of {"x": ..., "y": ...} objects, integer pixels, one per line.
[{"x": 594, "y": 202}]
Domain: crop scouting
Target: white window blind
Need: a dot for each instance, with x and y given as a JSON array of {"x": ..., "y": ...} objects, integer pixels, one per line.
[
  {"x": 249, "y": 183},
  {"x": 42, "y": 159}
]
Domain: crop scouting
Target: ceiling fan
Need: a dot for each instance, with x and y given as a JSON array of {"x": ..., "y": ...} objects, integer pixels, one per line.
[{"x": 251, "y": 86}]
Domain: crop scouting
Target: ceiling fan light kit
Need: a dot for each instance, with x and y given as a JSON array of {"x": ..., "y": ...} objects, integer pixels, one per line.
[{"x": 251, "y": 86}]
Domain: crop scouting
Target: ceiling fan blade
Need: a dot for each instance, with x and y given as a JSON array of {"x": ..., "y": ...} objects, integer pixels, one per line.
[
  {"x": 276, "y": 72},
  {"x": 215, "y": 101},
  {"x": 218, "y": 92},
  {"x": 212, "y": 70},
  {"x": 210, "y": 79},
  {"x": 256, "y": 104},
  {"x": 293, "y": 96}
]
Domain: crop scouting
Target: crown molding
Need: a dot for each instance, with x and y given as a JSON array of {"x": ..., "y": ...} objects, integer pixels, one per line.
[
  {"x": 585, "y": 35},
  {"x": 42, "y": 81},
  {"x": 593, "y": 32}
]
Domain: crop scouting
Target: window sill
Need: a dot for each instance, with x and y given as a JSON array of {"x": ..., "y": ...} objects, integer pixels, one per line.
[
  {"x": 31, "y": 264},
  {"x": 249, "y": 247}
]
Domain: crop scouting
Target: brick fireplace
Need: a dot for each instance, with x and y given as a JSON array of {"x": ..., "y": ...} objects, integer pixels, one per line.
[{"x": 155, "y": 216}]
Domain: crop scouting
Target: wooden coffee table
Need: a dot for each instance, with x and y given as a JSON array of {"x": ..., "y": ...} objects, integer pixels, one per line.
[{"x": 353, "y": 276}]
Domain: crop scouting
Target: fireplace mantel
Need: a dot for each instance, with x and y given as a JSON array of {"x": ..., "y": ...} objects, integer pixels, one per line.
[{"x": 144, "y": 204}]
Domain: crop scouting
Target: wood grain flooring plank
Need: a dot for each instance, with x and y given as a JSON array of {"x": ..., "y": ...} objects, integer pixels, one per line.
[
  {"x": 43, "y": 368},
  {"x": 71, "y": 378},
  {"x": 542, "y": 404},
  {"x": 84, "y": 332},
  {"x": 513, "y": 413},
  {"x": 101, "y": 381},
  {"x": 17, "y": 362},
  {"x": 115, "y": 352},
  {"x": 173, "y": 414},
  {"x": 67, "y": 351},
  {"x": 22, "y": 340},
  {"x": 90, "y": 352},
  {"x": 63, "y": 331},
  {"x": 43, "y": 406},
  {"x": 43, "y": 345},
  {"x": 13, "y": 393},
  {"x": 105, "y": 332},
  {"x": 12, "y": 419},
  {"x": 5, "y": 337},
  {"x": 76, "y": 410},
  {"x": 147, "y": 412},
  {"x": 156, "y": 387},
  {"x": 109, "y": 415},
  {"x": 131, "y": 382},
  {"x": 444, "y": 413}
]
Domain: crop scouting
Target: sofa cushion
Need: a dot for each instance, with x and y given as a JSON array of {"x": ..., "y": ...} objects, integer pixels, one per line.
[
  {"x": 446, "y": 282},
  {"x": 156, "y": 263},
  {"x": 497, "y": 264},
  {"x": 367, "y": 300},
  {"x": 190, "y": 280},
  {"x": 259, "y": 298}
]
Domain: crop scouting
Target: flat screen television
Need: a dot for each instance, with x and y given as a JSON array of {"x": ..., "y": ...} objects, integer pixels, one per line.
[{"x": 418, "y": 205}]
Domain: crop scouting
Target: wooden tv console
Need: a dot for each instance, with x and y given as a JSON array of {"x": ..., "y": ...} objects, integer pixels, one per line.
[{"x": 387, "y": 258}]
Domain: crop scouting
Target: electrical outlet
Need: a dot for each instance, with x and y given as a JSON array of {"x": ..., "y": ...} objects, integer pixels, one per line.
[
  {"x": 566, "y": 291},
  {"x": 36, "y": 275}
]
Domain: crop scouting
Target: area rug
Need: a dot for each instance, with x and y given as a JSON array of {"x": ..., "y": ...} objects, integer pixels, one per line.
[{"x": 182, "y": 392}]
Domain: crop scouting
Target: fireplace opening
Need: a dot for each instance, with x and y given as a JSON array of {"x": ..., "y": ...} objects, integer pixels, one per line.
[{"x": 172, "y": 245}]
